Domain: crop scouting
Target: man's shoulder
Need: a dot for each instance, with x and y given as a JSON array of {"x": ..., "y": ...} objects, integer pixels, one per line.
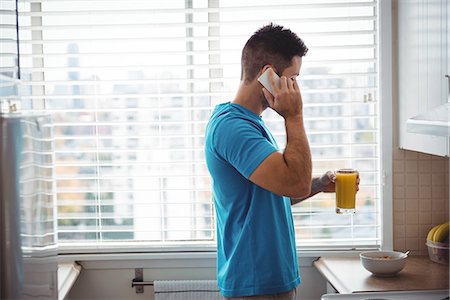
[
  {"x": 229, "y": 113},
  {"x": 233, "y": 122}
]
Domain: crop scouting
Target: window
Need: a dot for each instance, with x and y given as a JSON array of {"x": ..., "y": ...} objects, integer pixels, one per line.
[{"x": 131, "y": 85}]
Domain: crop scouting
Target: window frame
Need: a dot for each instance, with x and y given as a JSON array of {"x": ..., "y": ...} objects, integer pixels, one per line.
[{"x": 386, "y": 116}]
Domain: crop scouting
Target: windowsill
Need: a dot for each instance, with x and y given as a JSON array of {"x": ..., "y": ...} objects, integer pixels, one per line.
[
  {"x": 204, "y": 248},
  {"x": 167, "y": 259},
  {"x": 67, "y": 275}
]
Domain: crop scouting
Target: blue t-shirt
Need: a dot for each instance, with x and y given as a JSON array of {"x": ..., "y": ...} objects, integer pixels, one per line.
[{"x": 256, "y": 251}]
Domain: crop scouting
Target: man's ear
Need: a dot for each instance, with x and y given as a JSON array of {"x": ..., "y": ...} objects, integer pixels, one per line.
[{"x": 265, "y": 67}]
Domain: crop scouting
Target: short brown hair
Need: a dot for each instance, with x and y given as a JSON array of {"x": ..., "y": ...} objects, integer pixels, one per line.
[{"x": 271, "y": 44}]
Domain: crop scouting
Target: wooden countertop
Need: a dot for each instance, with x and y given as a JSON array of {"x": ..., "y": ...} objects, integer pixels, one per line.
[{"x": 347, "y": 275}]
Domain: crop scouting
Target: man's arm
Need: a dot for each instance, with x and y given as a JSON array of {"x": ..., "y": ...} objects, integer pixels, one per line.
[
  {"x": 325, "y": 183},
  {"x": 318, "y": 184},
  {"x": 287, "y": 173}
]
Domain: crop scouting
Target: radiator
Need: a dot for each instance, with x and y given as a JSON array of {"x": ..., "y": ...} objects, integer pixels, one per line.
[{"x": 186, "y": 290}]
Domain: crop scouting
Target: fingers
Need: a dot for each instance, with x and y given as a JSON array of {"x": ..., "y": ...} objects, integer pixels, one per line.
[
  {"x": 328, "y": 177},
  {"x": 283, "y": 83},
  {"x": 284, "y": 99},
  {"x": 290, "y": 83},
  {"x": 332, "y": 176},
  {"x": 357, "y": 181}
]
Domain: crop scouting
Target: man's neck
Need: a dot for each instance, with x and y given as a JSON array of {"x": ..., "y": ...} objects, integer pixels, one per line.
[{"x": 249, "y": 96}]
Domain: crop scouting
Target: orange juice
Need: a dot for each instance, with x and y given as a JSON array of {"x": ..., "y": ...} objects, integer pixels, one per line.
[{"x": 345, "y": 190}]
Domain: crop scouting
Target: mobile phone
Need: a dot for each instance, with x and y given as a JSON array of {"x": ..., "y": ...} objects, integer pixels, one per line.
[{"x": 264, "y": 80}]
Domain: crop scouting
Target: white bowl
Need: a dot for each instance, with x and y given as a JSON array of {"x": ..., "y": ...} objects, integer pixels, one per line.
[{"x": 383, "y": 263}]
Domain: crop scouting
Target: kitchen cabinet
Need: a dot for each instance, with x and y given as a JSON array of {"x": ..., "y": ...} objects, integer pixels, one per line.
[{"x": 423, "y": 39}]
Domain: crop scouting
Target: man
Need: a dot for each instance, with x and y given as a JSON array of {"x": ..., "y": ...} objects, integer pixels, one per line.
[{"x": 254, "y": 184}]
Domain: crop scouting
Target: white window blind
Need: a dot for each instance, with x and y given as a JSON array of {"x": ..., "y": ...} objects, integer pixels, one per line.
[
  {"x": 8, "y": 41},
  {"x": 131, "y": 85}
]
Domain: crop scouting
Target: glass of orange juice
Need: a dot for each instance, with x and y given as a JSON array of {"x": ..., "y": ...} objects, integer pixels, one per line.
[{"x": 346, "y": 191}]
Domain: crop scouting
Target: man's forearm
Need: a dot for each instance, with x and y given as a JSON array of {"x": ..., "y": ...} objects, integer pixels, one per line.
[
  {"x": 297, "y": 153},
  {"x": 316, "y": 187}
]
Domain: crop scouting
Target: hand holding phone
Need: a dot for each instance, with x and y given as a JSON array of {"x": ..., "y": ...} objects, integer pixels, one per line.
[
  {"x": 264, "y": 80},
  {"x": 288, "y": 101}
]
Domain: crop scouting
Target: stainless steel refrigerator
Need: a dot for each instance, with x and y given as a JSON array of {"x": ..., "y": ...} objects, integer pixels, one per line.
[{"x": 28, "y": 236}]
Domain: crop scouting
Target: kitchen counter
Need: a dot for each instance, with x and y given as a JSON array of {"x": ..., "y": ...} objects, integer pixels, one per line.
[{"x": 347, "y": 275}]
